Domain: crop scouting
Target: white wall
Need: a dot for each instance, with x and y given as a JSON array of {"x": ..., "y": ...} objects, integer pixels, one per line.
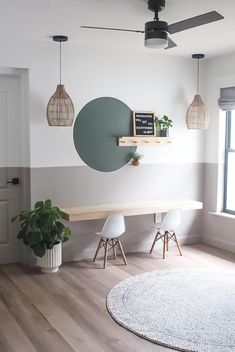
[
  {"x": 146, "y": 80},
  {"x": 219, "y": 73},
  {"x": 143, "y": 80},
  {"x": 218, "y": 230}
]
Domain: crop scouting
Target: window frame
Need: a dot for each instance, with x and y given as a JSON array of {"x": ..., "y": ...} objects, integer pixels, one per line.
[{"x": 228, "y": 150}]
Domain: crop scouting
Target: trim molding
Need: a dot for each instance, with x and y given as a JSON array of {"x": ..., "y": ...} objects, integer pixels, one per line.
[
  {"x": 145, "y": 246},
  {"x": 215, "y": 242}
]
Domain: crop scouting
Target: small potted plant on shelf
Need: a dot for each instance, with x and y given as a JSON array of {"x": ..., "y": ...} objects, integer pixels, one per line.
[
  {"x": 42, "y": 231},
  {"x": 163, "y": 124},
  {"x": 135, "y": 158}
]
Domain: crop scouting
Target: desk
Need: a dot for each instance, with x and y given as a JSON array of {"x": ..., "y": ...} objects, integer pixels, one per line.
[{"x": 102, "y": 211}]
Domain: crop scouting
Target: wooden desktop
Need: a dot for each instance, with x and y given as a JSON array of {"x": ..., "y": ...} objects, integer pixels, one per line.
[{"x": 102, "y": 211}]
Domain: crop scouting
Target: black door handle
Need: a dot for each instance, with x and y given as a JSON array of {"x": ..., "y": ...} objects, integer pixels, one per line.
[{"x": 14, "y": 181}]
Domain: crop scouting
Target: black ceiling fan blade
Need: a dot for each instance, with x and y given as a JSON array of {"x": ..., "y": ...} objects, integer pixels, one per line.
[
  {"x": 113, "y": 29},
  {"x": 171, "y": 44},
  {"x": 194, "y": 22}
]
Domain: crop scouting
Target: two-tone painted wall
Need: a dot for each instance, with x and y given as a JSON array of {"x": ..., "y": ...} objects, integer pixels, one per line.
[
  {"x": 218, "y": 229},
  {"x": 149, "y": 81}
]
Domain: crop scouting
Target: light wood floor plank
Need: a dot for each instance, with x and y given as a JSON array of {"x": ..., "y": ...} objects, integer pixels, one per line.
[
  {"x": 50, "y": 304},
  {"x": 34, "y": 324},
  {"x": 66, "y": 312},
  {"x": 11, "y": 334}
]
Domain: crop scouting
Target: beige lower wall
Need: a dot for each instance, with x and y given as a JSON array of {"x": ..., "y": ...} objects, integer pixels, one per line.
[
  {"x": 82, "y": 185},
  {"x": 218, "y": 231},
  {"x": 71, "y": 186}
]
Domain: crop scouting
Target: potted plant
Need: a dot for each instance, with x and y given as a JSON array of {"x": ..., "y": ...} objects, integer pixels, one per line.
[
  {"x": 42, "y": 231},
  {"x": 135, "y": 158},
  {"x": 163, "y": 125}
]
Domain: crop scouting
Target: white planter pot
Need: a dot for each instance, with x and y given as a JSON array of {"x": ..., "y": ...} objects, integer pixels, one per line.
[{"x": 52, "y": 259}]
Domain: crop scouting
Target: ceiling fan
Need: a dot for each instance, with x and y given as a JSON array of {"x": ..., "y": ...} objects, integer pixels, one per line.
[{"x": 156, "y": 31}]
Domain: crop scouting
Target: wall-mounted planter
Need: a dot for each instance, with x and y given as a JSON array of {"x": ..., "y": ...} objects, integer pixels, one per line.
[
  {"x": 135, "y": 163},
  {"x": 164, "y": 133}
]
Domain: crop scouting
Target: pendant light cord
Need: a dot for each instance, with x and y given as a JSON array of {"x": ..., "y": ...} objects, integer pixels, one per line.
[
  {"x": 60, "y": 62},
  {"x": 198, "y": 76}
]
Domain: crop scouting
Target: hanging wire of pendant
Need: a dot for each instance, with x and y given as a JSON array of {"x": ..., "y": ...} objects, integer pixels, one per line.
[
  {"x": 60, "y": 62},
  {"x": 60, "y": 108},
  {"x": 198, "y": 75},
  {"x": 197, "y": 115}
]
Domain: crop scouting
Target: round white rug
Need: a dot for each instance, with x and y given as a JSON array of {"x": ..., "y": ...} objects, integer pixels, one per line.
[{"x": 187, "y": 310}]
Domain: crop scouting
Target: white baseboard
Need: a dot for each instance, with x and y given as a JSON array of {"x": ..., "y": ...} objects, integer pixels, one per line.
[
  {"x": 131, "y": 247},
  {"x": 229, "y": 246},
  {"x": 146, "y": 245},
  {"x": 184, "y": 240}
]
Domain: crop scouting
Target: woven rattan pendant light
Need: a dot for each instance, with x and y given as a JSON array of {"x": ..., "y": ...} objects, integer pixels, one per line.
[
  {"x": 197, "y": 114},
  {"x": 60, "y": 109}
]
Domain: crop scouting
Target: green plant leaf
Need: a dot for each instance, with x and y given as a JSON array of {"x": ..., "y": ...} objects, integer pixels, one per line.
[
  {"x": 49, "y": 245},
  {"x": 59, "y": 226},
  {"x": 39, "y": 249},
  {"x": 25, "y": 241},
  {"x": 48, "y": 203},
  {"x": 39, "y": 204},
  {"x": 21, "y": 234},
  {"x": 41, "y": 228},
  {"x": 34, "y": 237},
  {"x": 164, "y": 123},
  {"x": 66, "y": 234},
  {"x": 136, "y": 156}
]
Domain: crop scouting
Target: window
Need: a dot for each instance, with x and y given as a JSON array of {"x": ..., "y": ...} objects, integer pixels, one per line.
[{"x": 229, "y": 169}]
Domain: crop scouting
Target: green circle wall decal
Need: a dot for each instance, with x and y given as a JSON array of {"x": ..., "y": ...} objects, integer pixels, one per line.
[{"x": 96, "y": 131}]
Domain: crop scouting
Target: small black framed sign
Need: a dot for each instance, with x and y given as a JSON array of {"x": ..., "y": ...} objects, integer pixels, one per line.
[{"x": 143, "y": 123}]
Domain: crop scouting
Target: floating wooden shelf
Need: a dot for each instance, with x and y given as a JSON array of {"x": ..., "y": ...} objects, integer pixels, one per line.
[{"x": 132, "y": 141}]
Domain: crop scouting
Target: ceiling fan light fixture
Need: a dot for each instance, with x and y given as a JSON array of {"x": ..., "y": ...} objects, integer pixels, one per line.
[
  {"x": 156, "y": 43},
  {"x": 156, "y": 40},
  {"x": 156, "y": 35},
  {"x": 156, "y": 31}
]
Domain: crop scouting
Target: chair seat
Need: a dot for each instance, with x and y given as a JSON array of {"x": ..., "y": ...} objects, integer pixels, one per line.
[
  {"x": 166, "y": 230},
  {"x": 113, "y": 228},
  {"x": 106, "y": 236}
]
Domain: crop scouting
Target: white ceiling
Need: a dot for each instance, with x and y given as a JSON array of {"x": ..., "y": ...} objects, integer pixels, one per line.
[{"x": 40, "y": 19}]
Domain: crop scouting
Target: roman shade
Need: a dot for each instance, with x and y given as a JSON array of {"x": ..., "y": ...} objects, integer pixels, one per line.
[{"x": 227, "y": 99}]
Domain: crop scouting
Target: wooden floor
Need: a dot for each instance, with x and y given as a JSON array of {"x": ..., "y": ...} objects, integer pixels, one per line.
[{"x": 66, "y": 312}]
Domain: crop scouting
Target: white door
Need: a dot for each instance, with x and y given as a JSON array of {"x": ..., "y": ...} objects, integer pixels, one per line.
[{"x": 10, "y": 160}]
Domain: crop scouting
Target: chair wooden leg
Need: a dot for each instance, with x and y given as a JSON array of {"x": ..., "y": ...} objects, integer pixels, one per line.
[
  {"x": 122, "y": 251},
  {"x": 97, "y": 250},
  {"x": 178, "y": 245},
  {"x": 114, "y": 248},
  {"x": 167, "y": 242},
  {"x": 154, "y": 242},
  {"x": 105, "y": 252},
  {"x": 164, "y": 244}
]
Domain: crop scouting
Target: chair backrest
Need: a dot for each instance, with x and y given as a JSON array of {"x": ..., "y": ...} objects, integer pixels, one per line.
[
  {"x": 114, "y": 226},
  {"x": 171, "y": 220}
]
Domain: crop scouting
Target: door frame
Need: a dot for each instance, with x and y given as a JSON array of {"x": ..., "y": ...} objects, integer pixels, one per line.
[{"x": 23, "y": 75}]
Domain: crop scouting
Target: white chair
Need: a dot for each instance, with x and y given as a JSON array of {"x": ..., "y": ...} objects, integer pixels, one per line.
[
  {"x": 113, "y": 228},
  {"x": 166, "y": 231}
]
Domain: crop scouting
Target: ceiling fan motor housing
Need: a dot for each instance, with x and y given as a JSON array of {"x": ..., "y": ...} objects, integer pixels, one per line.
[
  {"x": 154, "y": 26},
  {"x": 156, "y": 29},
  {"x": 156, "y": 5}
]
